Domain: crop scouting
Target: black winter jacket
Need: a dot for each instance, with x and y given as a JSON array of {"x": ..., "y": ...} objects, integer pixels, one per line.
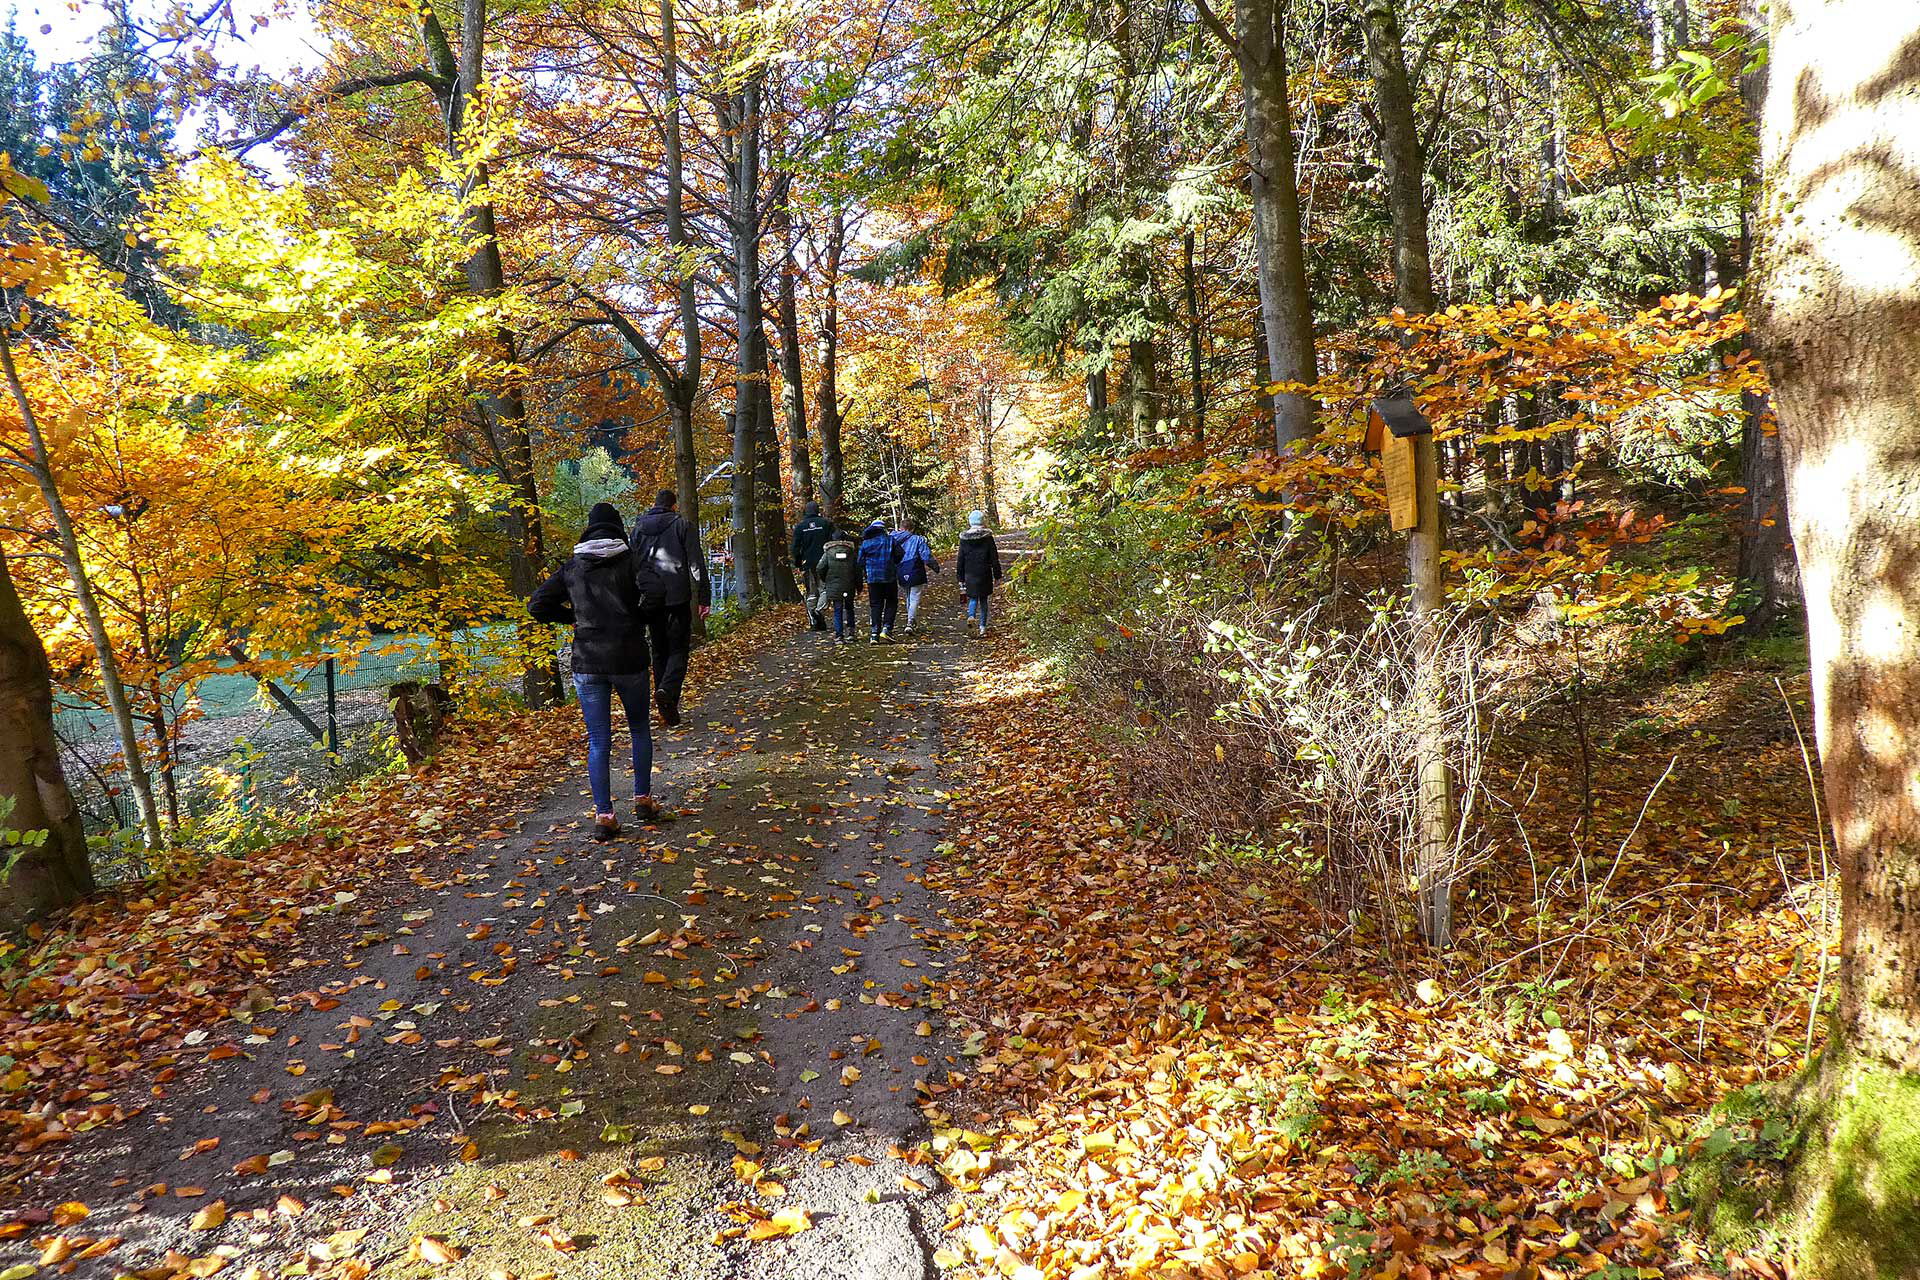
[
  {"x": 673, "y": 557},
  {"x": 810, "y": 537},
  {"x": 595, "y": 591},
  {"x": 978, "y": 563}
]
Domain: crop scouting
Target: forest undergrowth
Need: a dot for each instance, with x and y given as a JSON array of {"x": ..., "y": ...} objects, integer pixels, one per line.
[{"x": 1189, "y": 1069}]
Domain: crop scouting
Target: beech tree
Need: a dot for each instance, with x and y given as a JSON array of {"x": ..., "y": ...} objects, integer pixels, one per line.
[
  {"x": 48, "y": 864},
  {"x": 1839, "y": 250}
]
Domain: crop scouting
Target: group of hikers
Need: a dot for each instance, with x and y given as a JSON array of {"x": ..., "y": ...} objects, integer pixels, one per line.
[
  {"x": 884, "y": 562},
  {"x": 630, "y": 599}
]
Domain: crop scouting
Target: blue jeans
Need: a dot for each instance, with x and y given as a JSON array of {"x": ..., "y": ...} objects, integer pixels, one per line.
[
  {"x": 977, "y": 607},
  {"x": 843, "y": 619},
  {"x": 596, "y": 708}
]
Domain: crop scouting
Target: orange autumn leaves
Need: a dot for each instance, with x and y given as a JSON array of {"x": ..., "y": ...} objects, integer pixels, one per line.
[{"x": 1189, "y": 1074}]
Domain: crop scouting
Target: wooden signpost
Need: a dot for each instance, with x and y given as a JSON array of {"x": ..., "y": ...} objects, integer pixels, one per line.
[{"x": 1409, "y": 466}]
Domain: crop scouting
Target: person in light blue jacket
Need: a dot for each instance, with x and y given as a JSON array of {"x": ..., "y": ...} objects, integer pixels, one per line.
[{"x": 916, "y": 562}]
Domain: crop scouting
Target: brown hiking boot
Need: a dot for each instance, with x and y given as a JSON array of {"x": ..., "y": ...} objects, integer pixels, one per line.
[
  {"x": 647, "y": 809},
  {"x": 605, "y": 826}
]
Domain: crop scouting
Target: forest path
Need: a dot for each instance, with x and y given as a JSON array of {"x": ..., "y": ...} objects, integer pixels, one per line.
[{"x": 564, "y": 1058}]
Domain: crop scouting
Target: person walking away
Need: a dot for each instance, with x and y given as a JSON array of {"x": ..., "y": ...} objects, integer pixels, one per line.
[
  {"x": 880, "y": 565},
  {"x": 977, "y": 565},
  {"x": 838, "y": 570},
  {"x": 596, "y": 592},
  {"x": 672, "y": 569},
  {"x": 810, "y": 536},
  {"x": 916, "y": 560}
]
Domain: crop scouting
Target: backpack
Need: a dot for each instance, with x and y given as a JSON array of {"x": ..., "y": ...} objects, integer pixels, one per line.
[{"x": 654, "y": 583}]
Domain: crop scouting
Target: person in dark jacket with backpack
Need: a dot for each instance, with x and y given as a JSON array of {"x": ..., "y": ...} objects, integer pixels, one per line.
[
  {"x": 977, "y": 565},
  {"x": 672, "y": 572},
  {"x": 596, "y": 591},
  {"x": 810, "y": 537},
  {"x": 880, "y": 565},
  {"x": 838, "y": 571}
]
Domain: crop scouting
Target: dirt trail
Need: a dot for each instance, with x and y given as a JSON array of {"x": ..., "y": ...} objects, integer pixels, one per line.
[{"x": 566, "y": 1055}]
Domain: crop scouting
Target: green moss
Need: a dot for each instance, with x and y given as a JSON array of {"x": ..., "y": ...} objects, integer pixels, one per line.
[
  {"x": 1736, "y": 1179},
  {"x": 1859, "y": 1179},
  {"x": 1826, "y": 1168}
]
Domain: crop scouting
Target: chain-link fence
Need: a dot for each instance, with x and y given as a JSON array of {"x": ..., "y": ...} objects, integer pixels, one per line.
[{"x": 250, "y": 741}]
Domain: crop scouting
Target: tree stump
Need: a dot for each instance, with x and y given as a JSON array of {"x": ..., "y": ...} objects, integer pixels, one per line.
[{"x": 419, "y": 711}]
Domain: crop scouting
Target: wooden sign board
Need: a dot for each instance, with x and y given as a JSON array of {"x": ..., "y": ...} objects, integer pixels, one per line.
[{"x": 1398, "y": 467}]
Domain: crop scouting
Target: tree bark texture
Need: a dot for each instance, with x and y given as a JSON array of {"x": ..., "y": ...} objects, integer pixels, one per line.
[
  {"x": 792, "y": 373},
  {"x": 681, "y": 397},
  {"x": 1840, "y": 331},
  {"x": 743, "y": 191},
  {"x": 827, "y": 397},
  {"x": 1286, "y": 309},
  {"x": 460, "y": 84},
  {"x": 56, "y": 871}
]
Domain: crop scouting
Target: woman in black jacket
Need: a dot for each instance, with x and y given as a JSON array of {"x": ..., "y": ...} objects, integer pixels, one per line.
[
  {"x": 595, "y": 591},
  {"x": 978, "y": 567}
]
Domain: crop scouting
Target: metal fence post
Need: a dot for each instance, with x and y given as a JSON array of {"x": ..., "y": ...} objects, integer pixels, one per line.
[{"x": 333, "y": 714}]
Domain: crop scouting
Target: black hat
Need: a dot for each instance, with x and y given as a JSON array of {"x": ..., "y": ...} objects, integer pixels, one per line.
[{"x": 604, "y": 522}]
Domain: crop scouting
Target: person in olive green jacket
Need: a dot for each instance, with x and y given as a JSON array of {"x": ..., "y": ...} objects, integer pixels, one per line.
[{"x": 838, "y": 571}]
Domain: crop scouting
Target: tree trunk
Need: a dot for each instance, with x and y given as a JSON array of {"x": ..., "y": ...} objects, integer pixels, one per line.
[
  {"x": 89, "y": 605},
  {"x": 743, "y": 183},
  {"x": 792, "y": 374},
  {"x": 1426, "y": 542},
  {"x": 989, "y": 473},
  {"x": 1143, "y": 390},
  {"x": 1099, "y": 410},
  {"x": 827, "y": 397},
  {"x": 1840, "y": 332},
  {"x": 462, "y": 82},
  {"x": 1196, "y": 377},
  {"x": 1766, "y": 564},
  {"x": 55, "y": 871},
  {"x": 776, "y": 568},
  {"x": 681, "y": 398},
  {"x": 1286, "y": 309},
  {"x": 1401, "y": 158}
]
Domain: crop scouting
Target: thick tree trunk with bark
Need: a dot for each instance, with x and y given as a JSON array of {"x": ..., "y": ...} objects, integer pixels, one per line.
[
  {"x": 776, "y": 567},
  {"x": 1838, "y": 317},
  {"x": 827, "y": 399},
  {"x": 1401, "y": 158},
  {"x": 682, "y": 395},
  {"x": 792, "y": 373},
  {"x": 743, "y": 192},
  {"x": 459, "y": 82},
  {"x": 54, "y": 871},
  {"x": 1143, "y": 389},
  {"x": 1767, "y": 565},
  {"x": 1259, "y": 45},
  {"x": 1099, "y": 411}
]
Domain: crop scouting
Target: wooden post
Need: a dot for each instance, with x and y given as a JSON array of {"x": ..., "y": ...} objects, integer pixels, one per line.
[
  {"x": 1410, "y": 469},
  {"x": 1429, "y": 597}
]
